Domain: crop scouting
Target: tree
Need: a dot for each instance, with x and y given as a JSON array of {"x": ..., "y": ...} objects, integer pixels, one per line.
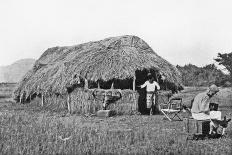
[
  {"x": 202, "y": 76},
  {"x": 225, "y": 60}
]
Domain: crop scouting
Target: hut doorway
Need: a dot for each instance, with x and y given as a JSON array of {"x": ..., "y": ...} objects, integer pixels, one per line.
[{"x": 141, "y": 77}]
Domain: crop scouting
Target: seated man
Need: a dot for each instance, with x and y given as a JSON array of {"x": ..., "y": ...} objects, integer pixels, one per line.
[{"x": 200, "y": 108}]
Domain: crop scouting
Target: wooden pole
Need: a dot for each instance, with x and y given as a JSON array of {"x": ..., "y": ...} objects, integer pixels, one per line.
[
  {"x": 135, "y": 107},
  {"x": 134, "y": 82},
  {"x": 98, "y": 85},
  {"x": 86, "y": 84},
  {"x": 68, "y": 103},
  {"x": 42, "y": 102},
  {"x": 104, "y": 101},
  {"x": 112, "y": 85},
  {"x": 20, "y": 99}
]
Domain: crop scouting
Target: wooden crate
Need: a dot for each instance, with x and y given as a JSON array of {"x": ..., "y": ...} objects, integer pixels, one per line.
[
  {"x": 193, "y": 126},
  {"x": 106, "y": 113}
]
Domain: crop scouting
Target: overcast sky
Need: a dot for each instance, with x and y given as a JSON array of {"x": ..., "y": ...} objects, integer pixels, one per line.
[{"x": 181, "y": 31}]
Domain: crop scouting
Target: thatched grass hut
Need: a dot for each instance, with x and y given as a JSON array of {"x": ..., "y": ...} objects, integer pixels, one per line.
[{"x": 66, "y": 77}]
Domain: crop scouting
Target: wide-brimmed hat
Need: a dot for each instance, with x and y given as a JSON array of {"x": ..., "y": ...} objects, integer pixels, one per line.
[{"x": 214, "y": 88}]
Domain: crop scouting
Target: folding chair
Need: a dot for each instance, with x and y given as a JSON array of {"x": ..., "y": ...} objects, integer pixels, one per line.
[{"x": 172, "y": 108}]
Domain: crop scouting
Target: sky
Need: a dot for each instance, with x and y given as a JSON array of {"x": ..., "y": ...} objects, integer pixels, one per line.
[{"x": 181, "y": 31}]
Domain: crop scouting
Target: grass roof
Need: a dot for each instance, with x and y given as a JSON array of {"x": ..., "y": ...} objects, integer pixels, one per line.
[{"x": 111, "y": 58}]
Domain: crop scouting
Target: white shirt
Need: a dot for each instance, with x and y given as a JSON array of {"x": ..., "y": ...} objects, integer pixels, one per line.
[{"x": 150, "y": 86}]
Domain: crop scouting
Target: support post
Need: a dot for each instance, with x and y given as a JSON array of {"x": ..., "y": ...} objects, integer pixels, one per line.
[
  {"x": 86, "y": 84},
  {"x": 112, "y": 85},
  {"x": 20, "y": 99},
  {"x": 135, "y": 107},
  {"x": 98, "y": 85},
  {"x": 68, "y": 103},
  {"x": 42, "y": 102},
  {"x": 134, "y": 78}
]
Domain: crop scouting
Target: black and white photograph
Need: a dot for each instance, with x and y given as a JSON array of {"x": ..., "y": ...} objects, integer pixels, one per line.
[{"x": 115, "y": 77}]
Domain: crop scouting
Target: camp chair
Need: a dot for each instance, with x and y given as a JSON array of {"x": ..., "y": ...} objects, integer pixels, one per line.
[{"x": 172, "y": 108}]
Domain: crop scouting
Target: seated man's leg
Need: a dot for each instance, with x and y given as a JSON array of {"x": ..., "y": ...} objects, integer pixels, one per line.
[
  {"x": 203, "y": 116},
  {"x": 213, "y": 127},
  {"x": 200, "y": 116},
  {"x": 214, "y": 116}
]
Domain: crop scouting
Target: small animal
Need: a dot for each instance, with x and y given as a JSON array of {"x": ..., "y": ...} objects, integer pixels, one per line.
[{"x": 215, "y": 124}]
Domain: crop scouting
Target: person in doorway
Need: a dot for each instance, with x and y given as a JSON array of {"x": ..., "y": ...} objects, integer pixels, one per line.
[
  {"x": 151, "y": 86},
  {"x": 201, "y": 108}
]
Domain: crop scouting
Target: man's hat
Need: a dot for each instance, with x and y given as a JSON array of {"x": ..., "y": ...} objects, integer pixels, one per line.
[{"x": 214, "y": 88}]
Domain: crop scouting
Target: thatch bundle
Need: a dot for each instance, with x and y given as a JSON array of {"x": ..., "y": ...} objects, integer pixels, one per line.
[{"x": 62, "y": 69}]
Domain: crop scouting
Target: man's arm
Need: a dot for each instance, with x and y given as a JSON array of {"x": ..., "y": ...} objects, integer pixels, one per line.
[
  {"x": 144, "y": 85},
  {"x": 157, "y": 85}
]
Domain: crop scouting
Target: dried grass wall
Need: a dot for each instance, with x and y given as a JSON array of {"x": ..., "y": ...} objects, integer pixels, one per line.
[
  {"x": 82, "y": 102},
  {"x": 56, "y": 103}
]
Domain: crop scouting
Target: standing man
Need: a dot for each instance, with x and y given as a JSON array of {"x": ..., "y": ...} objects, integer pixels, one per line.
[{"x": 151, "y": 86}]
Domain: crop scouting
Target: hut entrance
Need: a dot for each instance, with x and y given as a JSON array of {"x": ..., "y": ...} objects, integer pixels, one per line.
[{"x": 141, "y": 77}]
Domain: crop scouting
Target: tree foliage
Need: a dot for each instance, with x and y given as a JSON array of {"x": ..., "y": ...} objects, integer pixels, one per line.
[
  {"x": 202, "y": 76},
  {"x": 225, "y": 60}
]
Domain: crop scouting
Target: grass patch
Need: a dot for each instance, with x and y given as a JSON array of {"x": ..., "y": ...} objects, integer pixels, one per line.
[{"x": 26, "y": 129}]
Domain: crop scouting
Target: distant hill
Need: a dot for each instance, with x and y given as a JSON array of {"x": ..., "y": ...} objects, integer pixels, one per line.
[
  {"x": 203, "y": 76},
  {"x": 15, "y": 71}
]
